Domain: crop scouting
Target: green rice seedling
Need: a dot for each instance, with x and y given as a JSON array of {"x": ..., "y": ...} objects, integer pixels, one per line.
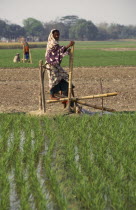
[
  {"x": 14, "y": 201},
  {"x": 39, "y": 198},
  {"x": 109, "y": 167},
  {"x": 39, "y": 141},
  {"x": 22, "y": 185},
  {"x": 4, "y": 186},
  {"x": 100, "y": 146},
  {"x": 4, "y": 134},
  {"x": 31, "y": 159},
  {"x": 21, "y": 174},
  {"x": 27, "y": 144},
  {"x": 52, "y": 182},
  {"x": 72, "y": 172},
  {"x": 12, "y": 158},
  {"x": 15, "y": 143}
]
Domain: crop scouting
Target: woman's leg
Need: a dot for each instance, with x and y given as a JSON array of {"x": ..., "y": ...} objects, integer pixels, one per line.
[
  {"x": 54, "y": 90},
  {"x": 64, "y": 88}
]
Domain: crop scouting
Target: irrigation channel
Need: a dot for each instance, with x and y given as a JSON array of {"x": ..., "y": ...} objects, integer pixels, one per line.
[{"x": 67, "y": 162}]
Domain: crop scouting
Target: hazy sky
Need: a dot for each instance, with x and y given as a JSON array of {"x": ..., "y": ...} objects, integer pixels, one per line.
[{"x": 110, "y": 11}]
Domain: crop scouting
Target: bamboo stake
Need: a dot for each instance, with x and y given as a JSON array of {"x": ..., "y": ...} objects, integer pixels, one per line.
[
  {"x": 44, "y": 101},
  {"x": 84, "y": 97},
  {"x": 30, "y": 56},
  {"x": 96, "y": 107},
  {"x": 71, "y": 58},
  {"x": 40, "y": 100},
  {"x": 40, "y": 76},
  {"x": 42, "y": 95},
  {"x": 101, "y": 93},
  {"x": 23, "y": 54}
]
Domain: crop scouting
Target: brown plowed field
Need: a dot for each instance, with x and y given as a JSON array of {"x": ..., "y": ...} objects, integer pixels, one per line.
[{"x": 19, "y": 88}]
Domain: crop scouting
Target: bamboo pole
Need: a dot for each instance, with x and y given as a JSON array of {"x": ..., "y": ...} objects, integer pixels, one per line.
[
  {"x": 30, "y": 56},
  {"x": 44, "y": 101},
  {"x": 40, "y": 76},
  {"x": 71, "y": 58},
  {"x": 40, "y": 100},
  {"x": 23, "y": 54},
  {"x": 96, "y": 107},
  {"x": 83, "y": 97},
  {"x": 42, "y": 95},
  {"x": 101, "y": 93}
]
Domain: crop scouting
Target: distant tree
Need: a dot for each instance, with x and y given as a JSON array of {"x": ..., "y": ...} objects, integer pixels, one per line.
[
  {"x": 128, "y": 32},
  {"x": 83, "y": 30},
  {"x": 63, "y": 24},
  {"x": 114, "y": 30},
  {"x": 15, "y": 31},
  {"x": 103, "y": 31},
  {"x": 64, "y": 32},
  {"x": 70, "y": 27},
  {"x": 103, "y": 26},
  {"x": 117, "y": 31},
  {"x": 33, "y": 27},
  {"x": 10, "y": 31},
  {"x": 102, "y": 34},
  {"x": 2, "y": 28},
  {"x": 69, "y": 20}
]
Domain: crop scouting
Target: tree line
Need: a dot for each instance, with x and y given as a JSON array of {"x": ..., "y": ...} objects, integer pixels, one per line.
[{"x": 71, "y": 27}]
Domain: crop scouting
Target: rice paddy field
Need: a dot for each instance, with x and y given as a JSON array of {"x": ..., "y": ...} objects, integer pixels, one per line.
[
  {"x": 67, "y": 162},
  {"x": 72, "y": 162}
]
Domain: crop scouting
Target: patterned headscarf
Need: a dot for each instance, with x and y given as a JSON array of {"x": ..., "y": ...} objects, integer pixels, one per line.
[{"x": 51, "y": 42}]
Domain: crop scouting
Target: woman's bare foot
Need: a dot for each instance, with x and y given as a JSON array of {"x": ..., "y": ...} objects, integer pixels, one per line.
[
  {"x": 64, "y": 103},
  {"x": 54, "y": 98}
]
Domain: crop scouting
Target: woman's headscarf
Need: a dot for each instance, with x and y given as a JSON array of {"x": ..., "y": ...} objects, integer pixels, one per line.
[{"x": 51, "y": 42}]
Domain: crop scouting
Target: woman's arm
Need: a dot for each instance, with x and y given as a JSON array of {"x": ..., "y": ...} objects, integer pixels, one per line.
[{"x": 70, "y": 44}]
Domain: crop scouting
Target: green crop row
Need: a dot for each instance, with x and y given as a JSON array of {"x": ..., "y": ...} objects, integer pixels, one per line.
[
  {"x": 82, "y": 58},
  {"x": 79, "y": 44},
  {"x": 67, "y": 162},
  {"x": 103, "y": 44},
  {"x": 20, "y": 46}
]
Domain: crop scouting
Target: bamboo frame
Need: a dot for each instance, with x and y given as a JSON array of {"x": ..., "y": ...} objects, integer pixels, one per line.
[
  {"x": 42, "y": 105},
  {"x": 83, "y": 97}
]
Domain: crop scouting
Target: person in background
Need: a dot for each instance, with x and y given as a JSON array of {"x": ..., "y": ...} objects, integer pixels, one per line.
[
  {"x": 16, "y": 58},
  {"x": 26, "y": 50},
  {"x": 58, "y": 77}
]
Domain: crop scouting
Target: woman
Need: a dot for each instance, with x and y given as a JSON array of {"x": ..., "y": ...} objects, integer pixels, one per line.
[
  {"x": 57, "y": 75},
  {"x": 26, "y": 50}
]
